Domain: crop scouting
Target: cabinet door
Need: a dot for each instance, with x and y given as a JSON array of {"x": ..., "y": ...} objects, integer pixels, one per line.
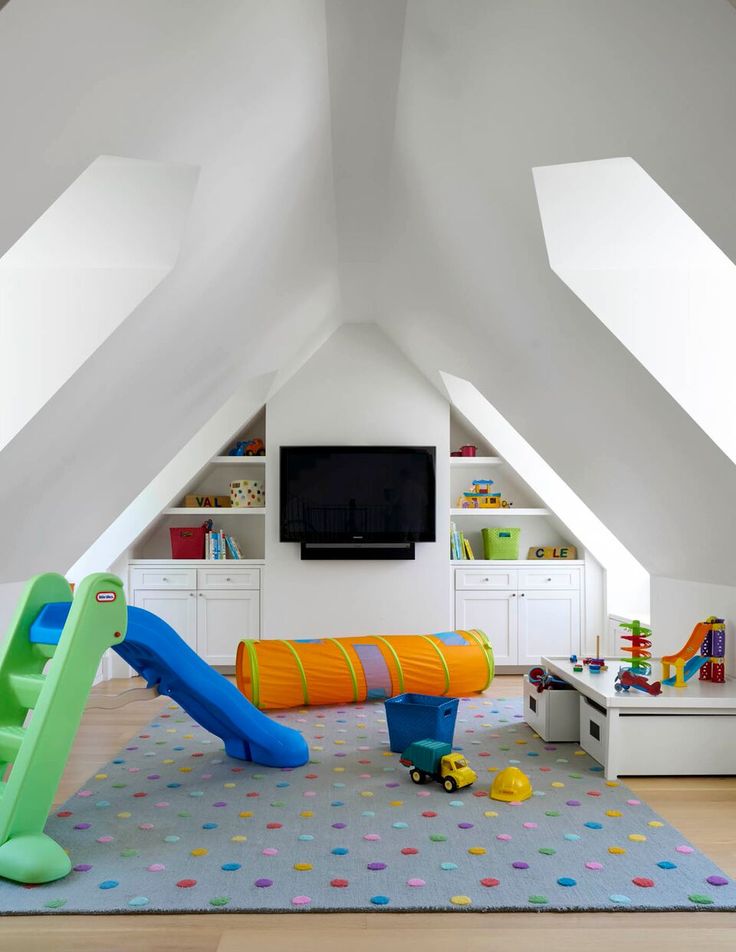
[
  {"x": 177, "y": 607},
  {"x": 549, "y": 624},
  {"x": 495, "y": 614},
  {"x": 223, "y": 619}
]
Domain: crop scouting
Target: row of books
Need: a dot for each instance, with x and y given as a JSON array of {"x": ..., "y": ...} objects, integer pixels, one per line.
[
  {"x": 219, "y": 546},
  {"x": 460, "y": 548}
]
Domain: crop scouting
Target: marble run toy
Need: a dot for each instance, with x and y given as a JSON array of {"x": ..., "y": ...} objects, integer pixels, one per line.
[
  {"x": 639, "y": 647},
  {"x": 704, "y": 652}
]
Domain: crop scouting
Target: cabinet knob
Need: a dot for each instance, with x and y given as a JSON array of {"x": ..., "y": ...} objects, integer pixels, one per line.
[
  {"x": 164, "y": 579},
  {"x": 485, "y": 580},
  {"x": 513, "y": 594},
  {"x": 228, "y": 579},
  {"x": 191, "y": 594},
  {"x": 549, "y": 579},
  {"x": 523, "y": 594}
]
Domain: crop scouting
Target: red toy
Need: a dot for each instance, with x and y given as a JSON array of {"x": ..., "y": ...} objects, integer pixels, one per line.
[{"x": 626, "y": 679}]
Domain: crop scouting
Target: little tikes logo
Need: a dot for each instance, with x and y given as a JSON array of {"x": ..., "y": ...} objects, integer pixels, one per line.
[{"x": 106, "y": 596}]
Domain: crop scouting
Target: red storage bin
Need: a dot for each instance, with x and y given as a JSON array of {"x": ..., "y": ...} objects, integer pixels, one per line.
[{"x": 187, "y": 542}]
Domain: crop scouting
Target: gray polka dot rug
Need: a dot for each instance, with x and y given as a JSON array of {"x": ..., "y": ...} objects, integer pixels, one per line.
[{"x": 174, "y": 825}]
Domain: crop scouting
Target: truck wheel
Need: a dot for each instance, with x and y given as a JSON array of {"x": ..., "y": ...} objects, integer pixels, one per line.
[
  {"x": 416, "y": 776},
  {"x": 450, "y": 784}
]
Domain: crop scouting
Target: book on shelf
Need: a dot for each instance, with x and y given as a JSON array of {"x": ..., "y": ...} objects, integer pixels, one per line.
[
  {"x": 233, "y": 548},
  {"x": 468, "y": 550},
  {"x": 456, "y": 543}
]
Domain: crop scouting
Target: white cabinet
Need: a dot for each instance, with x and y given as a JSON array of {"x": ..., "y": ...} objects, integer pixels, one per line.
[
  {"x": 537, "y": 611},
  {"x": 211, "y": 607},
  {"x": 223, "y": 619},
  {"x": 494, "y": 613},
  {"x": 177, "y": 607},
  {"x": 549, "y": 624}
]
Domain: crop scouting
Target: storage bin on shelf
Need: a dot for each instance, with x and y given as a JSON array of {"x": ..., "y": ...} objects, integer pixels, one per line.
[
  {"x": 501, "y": 543},
  {"x": 413, "y": 717}
]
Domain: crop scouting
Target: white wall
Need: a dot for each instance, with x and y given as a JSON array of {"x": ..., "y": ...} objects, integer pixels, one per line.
[
  {"x": 10, "y": 592},
  {"x": 677, "y": 605},
  {"x": 357, "y": 389}
]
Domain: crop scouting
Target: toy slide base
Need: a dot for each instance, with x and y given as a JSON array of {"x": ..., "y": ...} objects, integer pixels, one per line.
[
  {"x": 157, "y": 653},
  {"x": 33, "y": 858},
  {"x": 692, "y": 667}
]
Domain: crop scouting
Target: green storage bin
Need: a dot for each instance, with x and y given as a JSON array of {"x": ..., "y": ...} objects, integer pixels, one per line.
[{"x": 501, "y": 543}]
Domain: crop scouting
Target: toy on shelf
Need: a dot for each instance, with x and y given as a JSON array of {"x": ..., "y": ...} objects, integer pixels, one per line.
[
  {"x": 481, "y": 497},
  {"x": 435, "y": 760},
  {"x": 511, "y": 786},
  {"x": 704, "y": 652},
  {"x": 627, "y": 678},
  {"x": 639, "y": 636},
  {"x": 247, "y": 494},
  {"x": 544, "y": 681},
  {"x": 248, "y": 448}
]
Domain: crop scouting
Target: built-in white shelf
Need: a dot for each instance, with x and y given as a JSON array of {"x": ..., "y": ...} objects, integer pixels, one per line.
[
  {"x": 544, "y": 563},
  {"x": 509, "y": 512},
  {"x": 195, "y": 563},
  {"x": 476, "y": 461},
  {"x": 215, "y": 511},
  {"x": 250, "y": 460}
]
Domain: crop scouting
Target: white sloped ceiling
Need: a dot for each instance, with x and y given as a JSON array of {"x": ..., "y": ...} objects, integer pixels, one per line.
[
  {"x": 487, "y": 92},
  {"x": 237, "y": 89},
  {"x": 433, "y": 123}
]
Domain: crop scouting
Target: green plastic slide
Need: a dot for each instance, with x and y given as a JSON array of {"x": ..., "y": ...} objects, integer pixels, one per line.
[{"x": 37, "y": 746}]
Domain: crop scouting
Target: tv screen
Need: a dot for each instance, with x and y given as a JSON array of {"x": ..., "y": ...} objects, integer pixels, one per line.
[{"x": 357, "y": 494}]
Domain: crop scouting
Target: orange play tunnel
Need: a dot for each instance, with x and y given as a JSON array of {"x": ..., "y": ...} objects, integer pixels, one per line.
[{"x": 279, "y": 674}]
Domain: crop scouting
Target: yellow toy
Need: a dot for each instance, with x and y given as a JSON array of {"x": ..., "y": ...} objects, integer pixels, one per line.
[
  {"x": 511, "y": 786},
  {"x": 434, "y": 760}
]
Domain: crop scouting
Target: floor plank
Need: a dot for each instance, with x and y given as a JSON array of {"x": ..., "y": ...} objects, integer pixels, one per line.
[{"x": 703, "y": 808}]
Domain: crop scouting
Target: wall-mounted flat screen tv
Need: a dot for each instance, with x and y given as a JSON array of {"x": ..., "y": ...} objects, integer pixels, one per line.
[{"x": 357, "y": 494}]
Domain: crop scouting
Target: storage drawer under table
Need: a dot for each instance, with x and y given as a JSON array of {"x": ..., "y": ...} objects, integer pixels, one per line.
[
  {"x": 159, "y": 578},
  {"x": 224, "y": 578},
  {"x": 553, "y": 714},
  {"x": 593, "y": 729}
]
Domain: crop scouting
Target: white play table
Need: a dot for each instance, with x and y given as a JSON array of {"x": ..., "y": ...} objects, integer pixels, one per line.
[{"x": 689, "y": 730}]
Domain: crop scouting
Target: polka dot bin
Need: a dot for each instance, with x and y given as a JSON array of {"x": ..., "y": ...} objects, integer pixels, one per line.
[{"x": 174, "y": 825}]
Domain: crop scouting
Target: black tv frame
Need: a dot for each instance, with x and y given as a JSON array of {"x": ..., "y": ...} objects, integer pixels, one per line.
[{"x": 370, "y": 548}]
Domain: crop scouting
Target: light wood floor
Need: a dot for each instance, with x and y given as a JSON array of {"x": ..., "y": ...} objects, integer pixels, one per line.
[{"x": 704, "y": 809}]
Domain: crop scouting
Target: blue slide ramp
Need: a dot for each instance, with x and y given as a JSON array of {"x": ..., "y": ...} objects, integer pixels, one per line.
[{"x": 159, "y": 655}]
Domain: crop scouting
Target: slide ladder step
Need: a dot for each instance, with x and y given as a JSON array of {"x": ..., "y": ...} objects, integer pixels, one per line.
[
  {"x": 27, "y": 688},
  {"x": 11, "y": 741}
]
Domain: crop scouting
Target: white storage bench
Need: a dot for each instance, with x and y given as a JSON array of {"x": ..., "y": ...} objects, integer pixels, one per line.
[
  {"x": 553, "y": 714},
  {"x": 687, "y": 730}
]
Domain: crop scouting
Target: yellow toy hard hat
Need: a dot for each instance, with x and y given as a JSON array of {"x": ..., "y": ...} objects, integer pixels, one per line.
[{"x": 511, "y": 785}]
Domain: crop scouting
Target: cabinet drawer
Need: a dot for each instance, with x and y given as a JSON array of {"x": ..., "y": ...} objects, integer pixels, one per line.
[
  {"x": 489, "y": 578},
  {"x": 163, "y": 578},
  {"x": 222, "y": 578},
  {"x": 556, "y": 578}
]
